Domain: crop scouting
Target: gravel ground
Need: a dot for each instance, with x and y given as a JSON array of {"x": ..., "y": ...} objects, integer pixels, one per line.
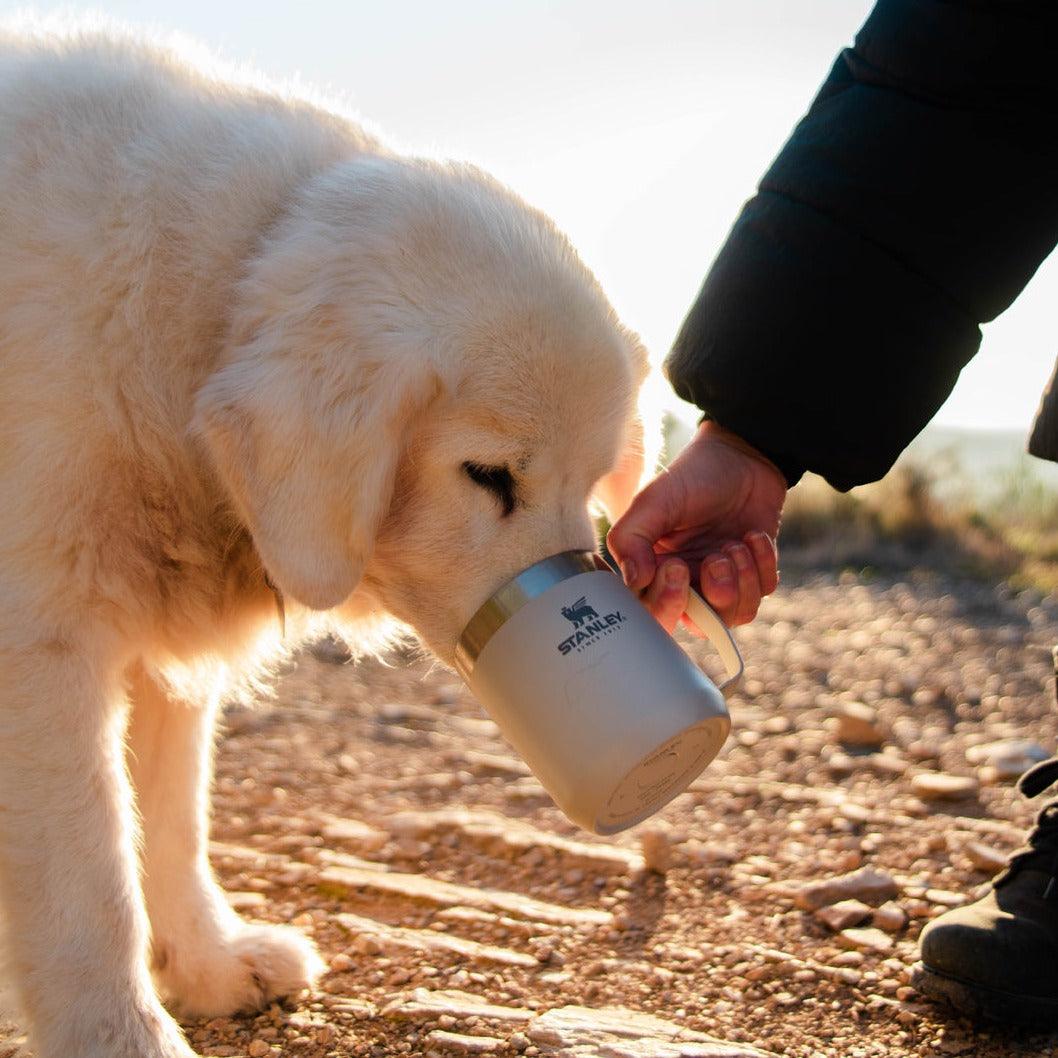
[{"x": 377, "y": 808}]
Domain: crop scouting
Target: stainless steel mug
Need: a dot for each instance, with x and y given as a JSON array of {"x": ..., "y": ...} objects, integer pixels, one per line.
[{"x": 600, "y": 701}]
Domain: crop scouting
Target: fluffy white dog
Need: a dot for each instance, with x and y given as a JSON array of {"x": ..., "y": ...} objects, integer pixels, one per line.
[{"x": 245, "y": 350}]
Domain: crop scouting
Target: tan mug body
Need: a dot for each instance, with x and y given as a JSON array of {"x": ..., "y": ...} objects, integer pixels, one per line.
[{"x": 604, "y": 706}]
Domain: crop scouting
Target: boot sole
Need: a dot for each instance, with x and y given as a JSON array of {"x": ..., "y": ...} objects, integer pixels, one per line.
[{"x": 980, "y": 1001}]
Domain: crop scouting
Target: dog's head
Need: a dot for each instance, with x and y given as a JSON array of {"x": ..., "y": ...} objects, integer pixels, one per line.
[{"x": 423, "y": 390}]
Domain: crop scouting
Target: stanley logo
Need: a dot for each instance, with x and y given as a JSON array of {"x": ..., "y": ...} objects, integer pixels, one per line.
[{"x": 588, "y": 625}]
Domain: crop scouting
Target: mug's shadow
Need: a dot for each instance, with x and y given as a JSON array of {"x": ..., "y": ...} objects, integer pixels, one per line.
[{"x": 645, "y": 905}]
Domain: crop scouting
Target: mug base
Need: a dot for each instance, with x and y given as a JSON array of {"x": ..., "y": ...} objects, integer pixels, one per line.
[{"x": 661, "y": 775}]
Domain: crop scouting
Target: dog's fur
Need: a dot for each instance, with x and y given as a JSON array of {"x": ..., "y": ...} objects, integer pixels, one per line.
[{"x": 240, "y": 340}]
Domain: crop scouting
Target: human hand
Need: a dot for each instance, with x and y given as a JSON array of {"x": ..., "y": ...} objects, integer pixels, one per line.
[{"x": 712, "y": 516}]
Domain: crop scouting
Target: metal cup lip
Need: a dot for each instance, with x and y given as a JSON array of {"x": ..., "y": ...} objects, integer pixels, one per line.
[{"x": 520, "y": 590}]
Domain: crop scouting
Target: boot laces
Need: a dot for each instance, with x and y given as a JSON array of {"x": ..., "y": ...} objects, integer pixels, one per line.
[{"x": 1041, "y": 848}]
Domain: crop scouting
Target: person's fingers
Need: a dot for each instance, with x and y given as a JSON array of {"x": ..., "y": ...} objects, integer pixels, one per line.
[
  {"x": 719, "y": 584},
  {"x": 632, "y": 537},
  {"x": 666, "y": 597},
  {"x": 764, "y": 554},
  {"x": 748, "y": 583}
]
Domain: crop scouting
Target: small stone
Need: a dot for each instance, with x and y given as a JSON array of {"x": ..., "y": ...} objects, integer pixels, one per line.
[
  {"x": 618, "y": 1032},
  {"x": 985, "y": 858},
  {"x": 354, "y": 832},
  {"x": 449, "y": 894},
  {"x": 887, "y": 764},
  {"x": 866, "y": 884},
  {"x": 258, "y": 1049},
  {"x": 841, "y": 764},
  {"x": 245, "y": 901},
  {"x": 939, "y": 786},
  {"x": 366, "y": 944},
  {"x": 945, "y": 898},
  {"x": 843, "y": 915},
  {"x": 707, "y": 854},
  {"x": 890, "y": 916},
  {"x": 858, "y": 725},
  {"x": 423, "y": 1003},
  {"x": 1006, "y": 759},
  {"x": 873, "y": 940},
  {"x": 403, "y": 937},
  {"x": 848, "y": 958},
  {"x": 457, "y": 1043},
  {"x": 854, "y": 812},
  {"x": 656, "y": 845},
  {"x": 925, "y": 749}
]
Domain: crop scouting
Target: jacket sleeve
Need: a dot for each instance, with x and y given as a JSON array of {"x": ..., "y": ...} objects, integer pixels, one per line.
[{"x": 913, "y": 202}]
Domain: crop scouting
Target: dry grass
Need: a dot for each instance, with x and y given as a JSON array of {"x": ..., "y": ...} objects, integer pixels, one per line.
[{"x": 904, "y": 521}]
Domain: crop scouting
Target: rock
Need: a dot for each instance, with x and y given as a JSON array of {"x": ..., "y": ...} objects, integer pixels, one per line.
[
  {"x": 858, "y": 725},
  {"x": 925, "y": 749},
  {"x": 887, "y": 764},
  {"x": 866, "y": 884},
  {"x": 616, "y": 1032},
  {"x": 330, "y": 858},
  {"x": 848, "y": 959},
  {"x": 403, "y": 937},
  {"x": 985, "y": 858},
  {"x": 655, "y": 842},
  {"x": 854, "y": 812},
  {"x": 514, "y": 836},
  {"x": 258, "y": 1049},
  {"x": 1006, "y": 759},
  {"x": 245, "y": 901},
  {"x": 890, "y": 916},
  {"x": 871, "y": 939},
  {"x": 939, "y": 786},
  {"x": 493, "y": 763},
  {"x": 945, "y": 898},
  {"x": 353, "y": 832},
  {"x": 424, "y": 1003},
  {"x": 449, "y": 894},
  {"x": 1007, "y": 749},
  {"x": 709, "y": 854},
  {"x": 841, "y": 764},
  {"x": 443, "y": 1042},
  {"x": 843, "y": 915}
]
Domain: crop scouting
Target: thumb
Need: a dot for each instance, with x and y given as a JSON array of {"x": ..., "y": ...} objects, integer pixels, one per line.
[{"x": 631, "y": 539}]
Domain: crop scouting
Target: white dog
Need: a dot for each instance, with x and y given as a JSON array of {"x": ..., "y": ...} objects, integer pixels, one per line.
[{"x": 246, "y": 351}]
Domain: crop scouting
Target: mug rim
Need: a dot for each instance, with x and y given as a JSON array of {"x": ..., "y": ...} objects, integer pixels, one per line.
[{"x": 520, "y": 590}]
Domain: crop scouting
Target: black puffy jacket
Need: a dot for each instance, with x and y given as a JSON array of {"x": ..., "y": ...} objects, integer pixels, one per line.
[{"x": 913, "y": 202}]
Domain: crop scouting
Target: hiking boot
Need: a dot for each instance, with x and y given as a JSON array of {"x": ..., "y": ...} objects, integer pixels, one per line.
[{"x": 998, "y": 958}]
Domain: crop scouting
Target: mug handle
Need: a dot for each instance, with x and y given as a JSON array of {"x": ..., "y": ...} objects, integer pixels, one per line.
[{"x": 714, "y": 629}]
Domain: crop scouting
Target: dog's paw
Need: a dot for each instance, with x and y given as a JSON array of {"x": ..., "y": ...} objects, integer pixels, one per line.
[{"x": 242, "y": 972}]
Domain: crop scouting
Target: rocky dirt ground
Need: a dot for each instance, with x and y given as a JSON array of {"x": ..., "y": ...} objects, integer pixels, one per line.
[{"x": 867, "y": 787}]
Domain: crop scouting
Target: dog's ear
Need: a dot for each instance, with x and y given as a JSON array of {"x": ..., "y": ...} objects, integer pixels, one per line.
[{"x": 306, "y": 438}]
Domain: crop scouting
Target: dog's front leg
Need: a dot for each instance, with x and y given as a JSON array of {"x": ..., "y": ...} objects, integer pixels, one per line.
[
  {"x": 206, "y": 960},
  {"x": 72, "y": 907}
]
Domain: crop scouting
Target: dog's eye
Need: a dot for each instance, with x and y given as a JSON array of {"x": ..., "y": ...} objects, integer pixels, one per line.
[{"x": 497, "y": 480}]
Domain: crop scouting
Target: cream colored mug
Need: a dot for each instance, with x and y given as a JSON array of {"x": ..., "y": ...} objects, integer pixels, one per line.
[{"x": 604, "y": 706}]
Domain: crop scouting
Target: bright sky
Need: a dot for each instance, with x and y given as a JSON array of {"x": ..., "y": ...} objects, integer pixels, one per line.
[{"x": 641, "y": 128}]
